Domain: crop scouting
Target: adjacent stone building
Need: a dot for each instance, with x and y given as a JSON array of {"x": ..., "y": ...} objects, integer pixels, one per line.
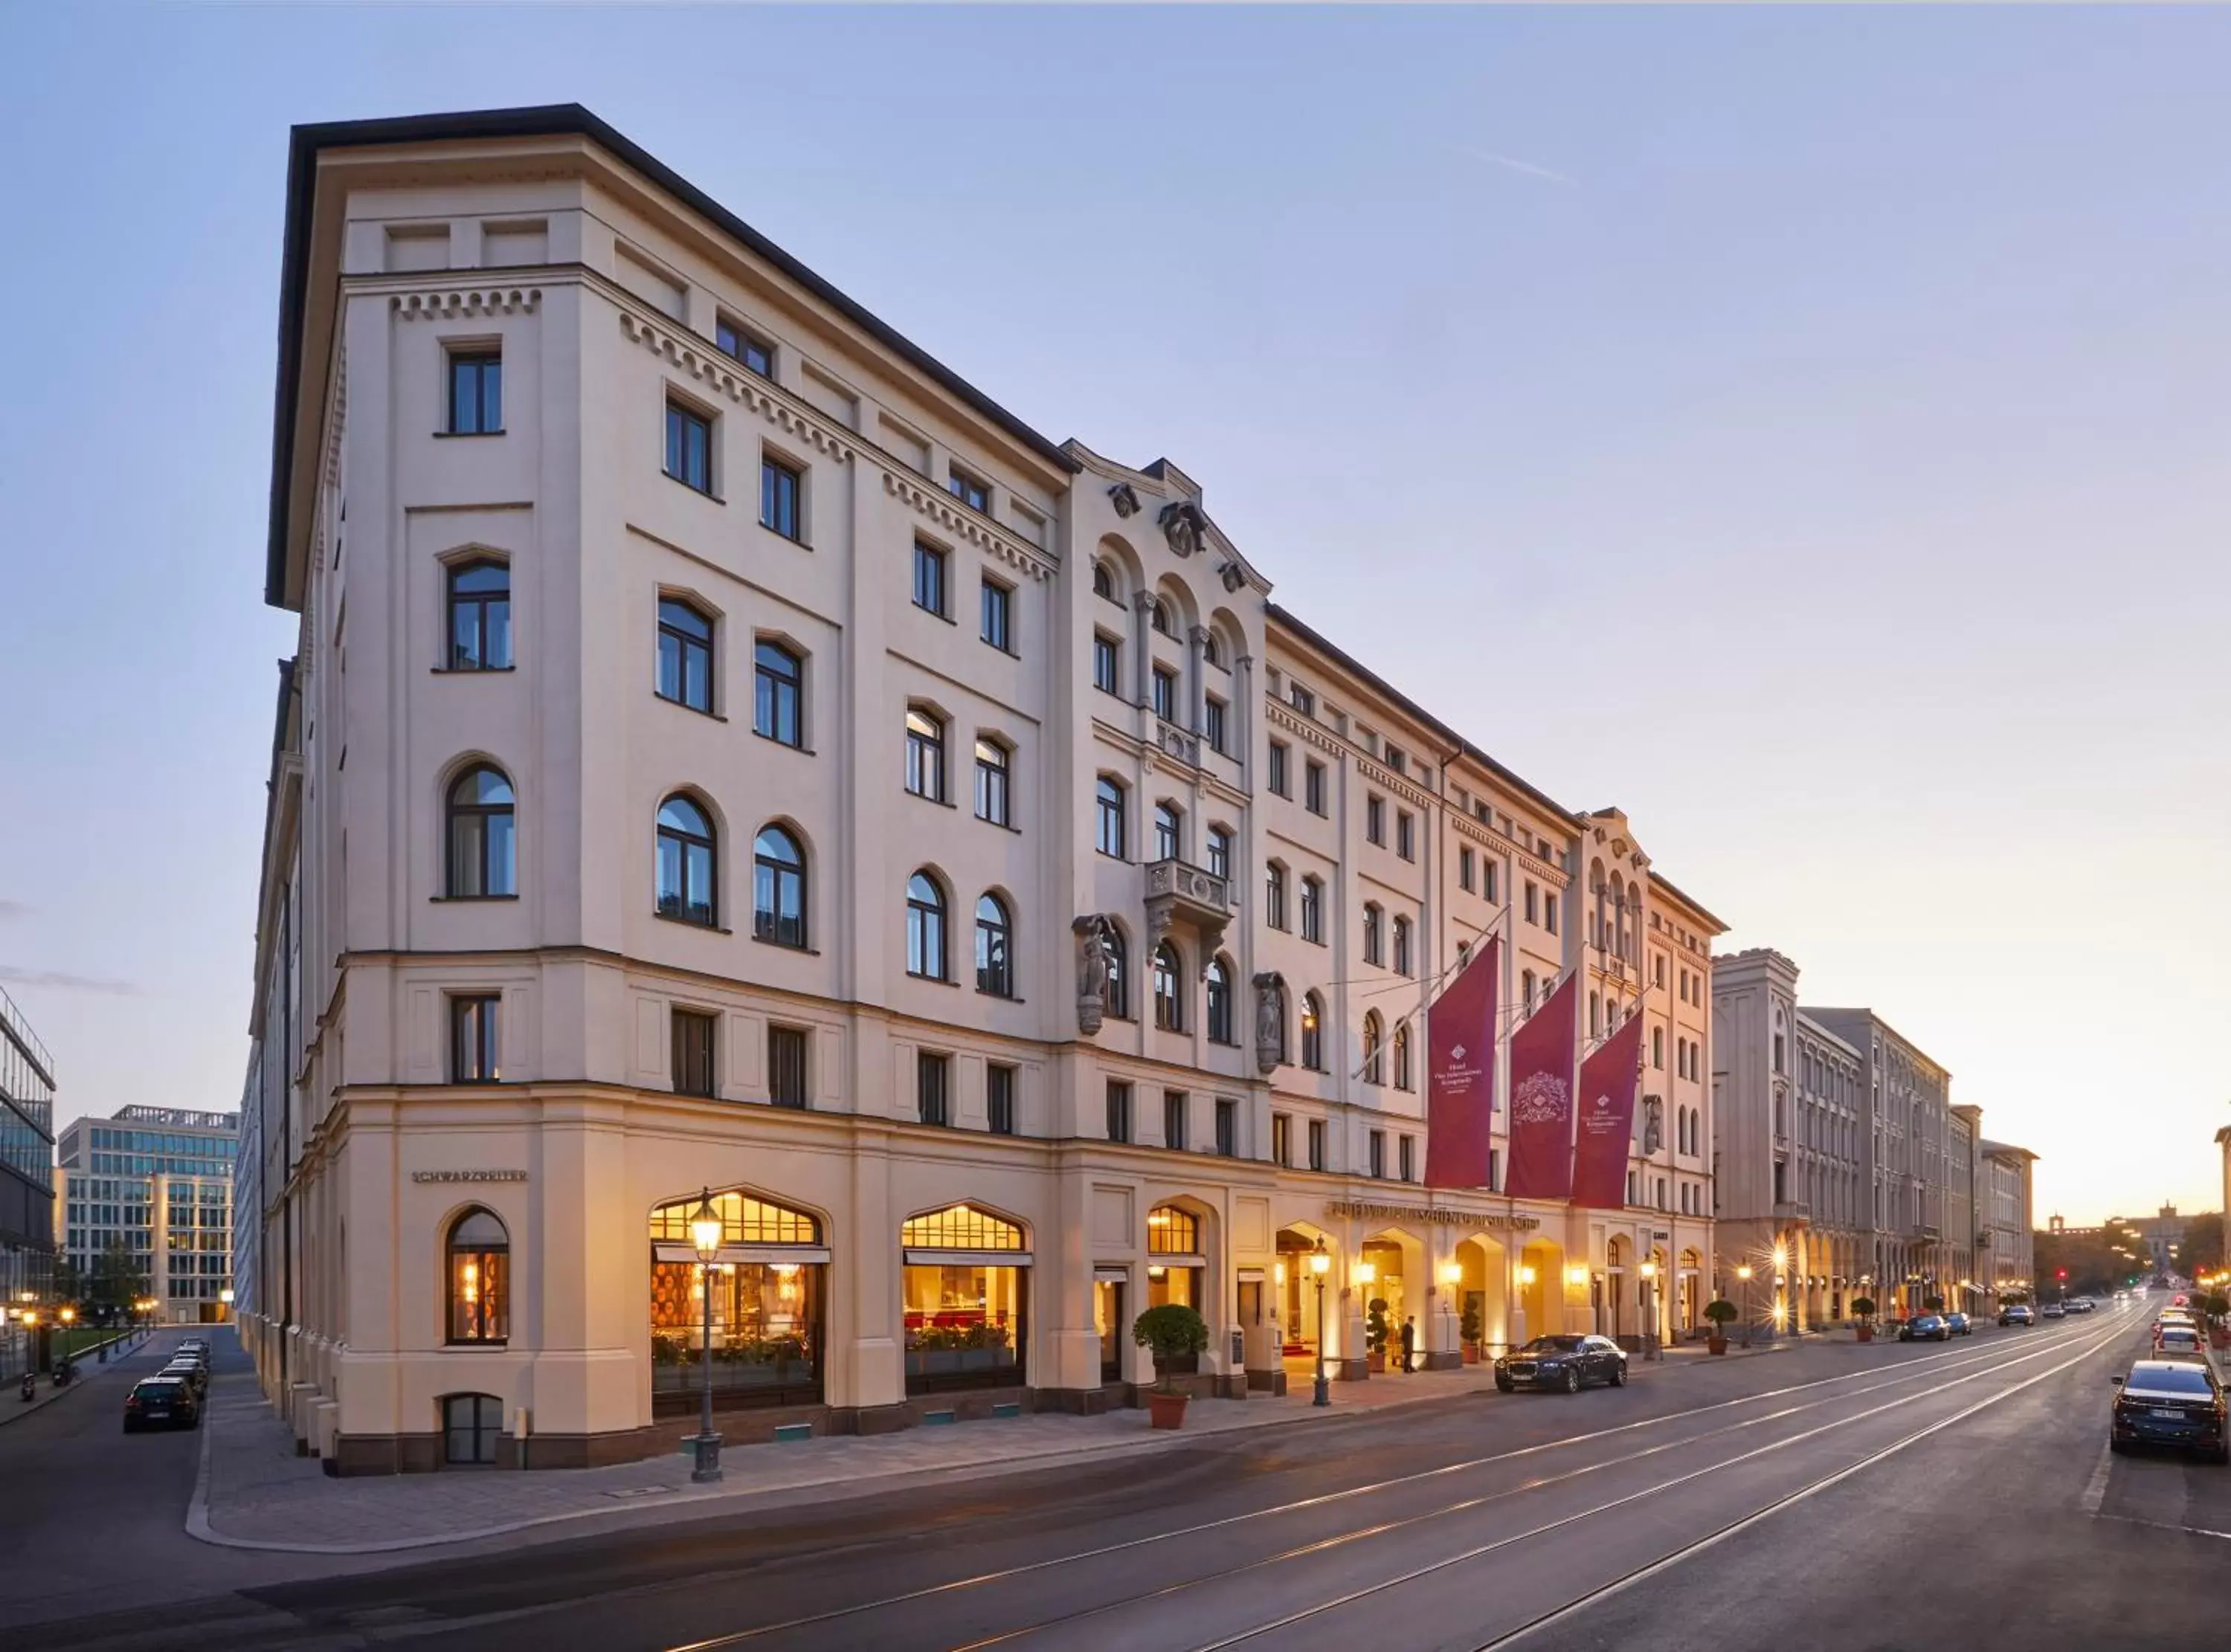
[{"x": 729, "y": 757}]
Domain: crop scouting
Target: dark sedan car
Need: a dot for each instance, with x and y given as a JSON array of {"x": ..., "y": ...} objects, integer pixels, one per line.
[
  {"x": 2017, "y": 1314},
  {"x": 1569, "y": 1363},
  {"x": 1925, "y": 1327},
  {"x": 161, "y": 1402},
  {"x": 1961, "y": 1324},
  {"x": 2172, "y": 1403}
]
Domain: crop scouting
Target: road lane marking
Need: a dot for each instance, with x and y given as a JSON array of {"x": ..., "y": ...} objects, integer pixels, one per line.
[
  {"x": 1908, "y": 1370},
  {"x": 2095, "y": 1489}
]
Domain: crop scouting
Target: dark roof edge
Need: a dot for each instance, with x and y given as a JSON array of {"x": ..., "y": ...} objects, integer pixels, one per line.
[
  {"x": 1316, "y": 639},
  {"x": 1690, "y": 900},
  {"x": 554, "y": 119}
]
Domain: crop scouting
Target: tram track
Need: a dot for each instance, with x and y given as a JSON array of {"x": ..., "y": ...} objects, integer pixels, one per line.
[{"x": 1980, "y": 1366}]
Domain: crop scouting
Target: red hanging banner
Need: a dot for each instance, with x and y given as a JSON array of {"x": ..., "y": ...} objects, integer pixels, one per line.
[
  {"x": 1542, "y": 1099},
  {"x": 1606, "y": 1127},
  {"x": 1460, "y": 1073}
]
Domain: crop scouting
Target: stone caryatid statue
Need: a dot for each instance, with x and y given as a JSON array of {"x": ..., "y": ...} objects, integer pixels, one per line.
[
  {"x": 1095, "y": 965},
  {"x": 1654, "y": 1124},
  {"x": 1269, "y": 1020}
]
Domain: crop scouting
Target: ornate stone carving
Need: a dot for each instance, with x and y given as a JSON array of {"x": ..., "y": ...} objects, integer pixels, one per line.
[
  {"x": 1184, "y": 527},
  {"x": 1096, "y": 964},
  {"x": 1179, "y": 744},
  {"x": 1269, "y": 1021},
  {"x": 1654, "y": 1124},
  {"x": 1125, "y": 501},
  {"x": 1233, "y": 575}
]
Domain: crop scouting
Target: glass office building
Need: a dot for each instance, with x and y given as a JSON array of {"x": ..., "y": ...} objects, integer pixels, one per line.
[
  {"x": 156, "y": 1182},
  {"x": 27, "y": 1180}
]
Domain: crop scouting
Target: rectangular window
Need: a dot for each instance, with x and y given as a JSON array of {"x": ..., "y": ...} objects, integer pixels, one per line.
[
  {"x": 999, "y": 1098},
  {"x": 991, "y": 782},
  {"x": 970, "y": 492},
  {"x": 1374, "y": 821},
  {"x": 1119, "y": 1110},
  {"x": 1408, "y": 1153},
  {"x": 933, "y": 1075},
  {"x": 693, "y": 1053},
  {"x": 1301, "y": 700},
  {"x": 1278, "y": 775},
  {"x": 1107, "y": 663},
  {"x": 1227, "y": 1128},
  {"x": 1396, "y": 759},
  {"x": 1488, "y": 885},
  {"x": 1219, "y": 852},
  {"x": 1282, "y": 1139},
  {"x": 1166, "y": 696},
  {"x": 1631, "y": 1195},
  {"x": 929, "y": 579},
  {"x": 476, "y": 393},
  {"x": 1550, "y": 912},
  {"x": 1405, "y": 835},
  {"x": 1316, "y": 1144},
  {"x": 1174, "y": 1120},
  {"x": 1463, "y": 869},
  {"x": 1533, "y": 904},
  {"x": 1213, "y": 724},
  {"x": 997, "y": 605},
  {"x": 689, "y": 448},
  {"x": 1377, "y": 1145},
  {"x": 1313, "y": 788},
  {"x": 755, "y": 353},
  {"x": 1494, "y": 1169},
  {"x": 473, "y": 1046}
]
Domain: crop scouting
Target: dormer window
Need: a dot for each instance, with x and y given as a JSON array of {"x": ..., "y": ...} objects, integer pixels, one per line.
[
  {"x": 755, "y": 353},
  {"x": 976, "y": 494}
]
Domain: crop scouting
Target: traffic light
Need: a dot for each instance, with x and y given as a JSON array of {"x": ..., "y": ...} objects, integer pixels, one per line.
[{"x": 2061, "y": 1273}]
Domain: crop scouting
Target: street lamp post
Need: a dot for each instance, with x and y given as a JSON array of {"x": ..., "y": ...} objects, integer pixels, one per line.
[
  {"x": 1650, "y": 1305},
  {"x": 1743, "y": 1273},
  {"x": 705, "y": 1232},
  {"x": 1319, "y": 1265}
]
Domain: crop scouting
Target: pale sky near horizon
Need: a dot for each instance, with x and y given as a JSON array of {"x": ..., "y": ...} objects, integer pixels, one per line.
[{"x": 1805, "y": 430}]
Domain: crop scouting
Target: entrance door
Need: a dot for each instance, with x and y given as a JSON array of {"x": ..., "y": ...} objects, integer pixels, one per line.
[
  {"x": 1107, "y": 1318},
  {"x": 471, "y": 1424}
]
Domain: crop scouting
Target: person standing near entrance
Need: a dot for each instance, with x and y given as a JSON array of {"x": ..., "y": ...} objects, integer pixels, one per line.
[{"x": 1409, "y": 1343}]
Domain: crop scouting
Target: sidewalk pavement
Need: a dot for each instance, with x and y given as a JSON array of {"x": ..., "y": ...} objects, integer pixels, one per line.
[
  {"x": 254, "y": 1492},
  {"x": 87, "y": 1365}
]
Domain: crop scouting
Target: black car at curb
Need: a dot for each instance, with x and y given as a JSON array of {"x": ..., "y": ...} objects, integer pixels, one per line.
[
  {"x": 2171, "y": 1403},
  {"x": 1566, "y": 1363},
  {"x": 1926, "y": 1327},
  {"x": 161, "y": 1402}
]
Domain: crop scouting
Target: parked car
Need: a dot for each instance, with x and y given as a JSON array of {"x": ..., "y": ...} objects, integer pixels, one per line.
[
  {"x": 1925, "y": 1327},
  {"x": 191, "y": 1374},
  {"x": 2017, "y": 1314},
  {"x": 1569, "y": 1363},
  {"x": 1961, "y": 1324},
  {"x": 2173, "y": 1403},
  {"x": 2053, "y": 1311},
  {"x": 2178, "y": 1342},
  {"x": 194, "y": 1346},
  {"x": 2081, "y": 1305},
  {"x": 161, "y": 1402}
]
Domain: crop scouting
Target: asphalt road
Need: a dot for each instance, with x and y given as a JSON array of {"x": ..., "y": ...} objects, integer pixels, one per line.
[{"x": 1834, "y": 1497}]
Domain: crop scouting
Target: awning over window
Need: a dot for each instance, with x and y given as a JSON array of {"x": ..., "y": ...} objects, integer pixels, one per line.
[{"x": 733, "y": 1253}]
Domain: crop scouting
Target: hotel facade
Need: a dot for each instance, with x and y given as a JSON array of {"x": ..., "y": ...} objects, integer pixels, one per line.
[{"x": 726, "y": 755}]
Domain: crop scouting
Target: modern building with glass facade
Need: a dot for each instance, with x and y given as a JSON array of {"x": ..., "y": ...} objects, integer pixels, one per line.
[
  {"x": 27, "y": 1183},
  {"x": 155, "y": 1183},
  {"x": 775, "y": 773}
]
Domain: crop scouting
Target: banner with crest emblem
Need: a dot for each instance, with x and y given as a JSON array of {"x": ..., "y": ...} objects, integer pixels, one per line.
[
  {"x": 1542, "y": 1099},
  {"x": 1460, "y": 1073},
  {"x": 1604, "y": 1131}
]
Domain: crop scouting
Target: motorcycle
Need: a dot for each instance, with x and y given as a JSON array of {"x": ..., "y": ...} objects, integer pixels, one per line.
[
  {"x": 63, "y": 1374},
  {"x": 30, "y": 1384}
]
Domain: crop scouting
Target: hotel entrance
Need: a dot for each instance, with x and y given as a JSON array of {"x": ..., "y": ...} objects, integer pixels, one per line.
[
  {"x": 966, "y": 1295},
  {"x": 769, "y": 1283}
]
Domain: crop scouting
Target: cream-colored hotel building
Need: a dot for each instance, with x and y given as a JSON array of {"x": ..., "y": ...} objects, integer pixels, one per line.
[{"x": 726, "y": 751}]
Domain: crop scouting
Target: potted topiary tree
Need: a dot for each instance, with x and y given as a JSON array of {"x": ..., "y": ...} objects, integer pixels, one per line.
[
  {"x": 1474, "y": 1326},
  {"x": 1720, "y": 1312},
  {"x": 1375, "y": 1328},
  {"x": 1863, "y": 1310},
  {"x": 1171, "y": 1331}
]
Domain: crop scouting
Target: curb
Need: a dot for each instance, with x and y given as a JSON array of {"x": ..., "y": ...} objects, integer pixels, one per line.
[{"x": 199, "y": 1527}]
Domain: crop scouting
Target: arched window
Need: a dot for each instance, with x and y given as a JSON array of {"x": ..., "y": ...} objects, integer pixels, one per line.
[
  {"x": 1108, "y": 818},
  {"x": 925, "y": 927},
  {"x": 686, "y": 878},
  {"x": 994, "y": 774},
  {"x": 778, "y": 888},
  {"x": 1169, "y": 832},
  {"x": 1402, "y": 1056},
  {"x": 1169, "y": 988},
  {"x": 1219, "y": 1001},
  {"x": 995, "y": 970},
  {"x": 1374, "y": 933},
  {"x": 480, "y": 1278},
  {"x": 1313, "y": 910},
  {"x": 1374, "y": 1034},
  {"x": 1212, "y": 651},
  {"x": 1313, "y": 1032},
  {"x": 482, "y": 858},
  {"x": 1401, "y": 946},
  {"x": 1103, "y": 581},
  {"x": 925, "y": 754},
  {"x": 685, "y": 655},
  {"x": 1119, "y": 974},
  {"x": 778, "y": 700},
  {"x": 1161, "y": 620},
  {"x": 1274, "y": 895},
  {"x": 480, "y": 616}
]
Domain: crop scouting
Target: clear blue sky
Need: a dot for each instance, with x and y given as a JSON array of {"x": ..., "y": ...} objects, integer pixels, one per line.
[{"x": 1805, "y": 430}]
